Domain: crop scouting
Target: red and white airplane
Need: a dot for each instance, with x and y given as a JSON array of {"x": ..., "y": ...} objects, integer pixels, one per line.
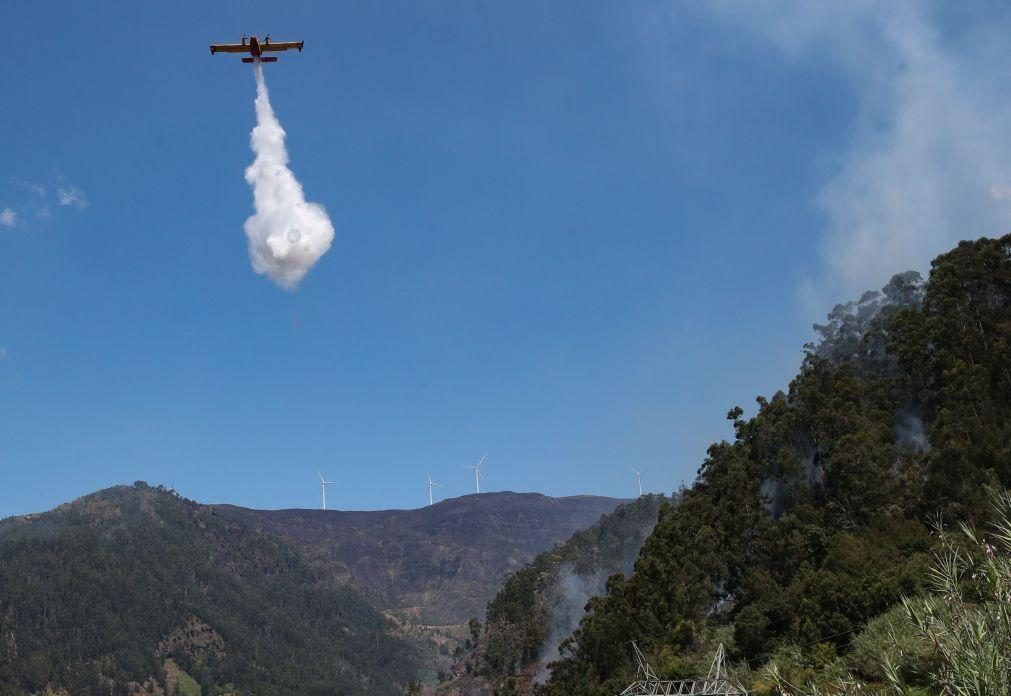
[{"x": 255, "y": 49}]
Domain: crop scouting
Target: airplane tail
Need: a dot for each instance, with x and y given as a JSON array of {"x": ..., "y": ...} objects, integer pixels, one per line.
[
  {"x": 247, "y": 60},
  {"x": 263, "y": 59}
]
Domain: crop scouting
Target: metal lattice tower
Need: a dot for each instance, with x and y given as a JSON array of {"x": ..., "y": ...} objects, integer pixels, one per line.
[{"x": 715, "y": 683}]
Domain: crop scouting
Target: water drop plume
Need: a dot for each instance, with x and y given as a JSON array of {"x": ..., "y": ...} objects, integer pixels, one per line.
[{"x": 287, "y": 234}]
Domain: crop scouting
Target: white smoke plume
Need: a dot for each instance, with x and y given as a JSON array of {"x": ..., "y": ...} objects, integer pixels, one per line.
[
  {"x": 574, "y": 592},
  {"x": 926, "y": 160},
  {"x": 930, "y": 142},
  {"x": 910, "y": 431},
  {"x": 287, "y": 235}
]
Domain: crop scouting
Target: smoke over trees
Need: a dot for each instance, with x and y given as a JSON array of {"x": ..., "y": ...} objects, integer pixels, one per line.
[{"x": 814, "y": 519}]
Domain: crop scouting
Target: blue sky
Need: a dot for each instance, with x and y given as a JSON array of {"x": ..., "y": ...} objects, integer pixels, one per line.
[{"x": 568, "y": 235}]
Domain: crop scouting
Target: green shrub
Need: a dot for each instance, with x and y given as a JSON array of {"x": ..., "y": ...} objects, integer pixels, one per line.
[{"x": 968, "y": 621}]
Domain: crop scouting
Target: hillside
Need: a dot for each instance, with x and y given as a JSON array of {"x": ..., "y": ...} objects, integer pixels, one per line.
[
  {"x": 111, "y": 593},
  {"x": 542, "y": 603},
  {"x": 138, "y": 586},
  {"x": 799, "y": 537},
  {"x": 434, "y": 565}
]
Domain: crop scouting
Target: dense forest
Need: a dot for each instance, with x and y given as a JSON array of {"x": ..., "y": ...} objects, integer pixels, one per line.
[
  {"x": 135, "y": 589},
  {"x": 118, "y": 591},
  {"x": 541, "y": 604},
  {"x": 798, "y": 540}
]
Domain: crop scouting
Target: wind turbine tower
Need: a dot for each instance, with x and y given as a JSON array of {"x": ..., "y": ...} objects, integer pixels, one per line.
[
  {"x": 638, "y": 478},
  {"x": 323, "y": 483},
  {"x": 477, "y": 473},
  {"x": 431, "y": 485}
]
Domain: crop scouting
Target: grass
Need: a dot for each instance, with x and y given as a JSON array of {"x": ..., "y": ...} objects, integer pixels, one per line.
[{"x": 184, "y": 684}]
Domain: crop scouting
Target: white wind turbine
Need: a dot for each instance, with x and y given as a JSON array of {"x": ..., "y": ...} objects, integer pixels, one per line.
[
  {"x": 638, "y": 478},
  {"x": 431, "y": 485},
  {"x": 323, "y": 483},
  {"x": 477, "y": 472}
]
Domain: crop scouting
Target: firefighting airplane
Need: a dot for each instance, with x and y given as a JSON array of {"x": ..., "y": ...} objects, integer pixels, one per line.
[{"x": 255, "y": 49}]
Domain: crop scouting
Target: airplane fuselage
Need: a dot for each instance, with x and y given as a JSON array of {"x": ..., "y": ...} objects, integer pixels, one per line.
[{"x": 256, "y": 50}]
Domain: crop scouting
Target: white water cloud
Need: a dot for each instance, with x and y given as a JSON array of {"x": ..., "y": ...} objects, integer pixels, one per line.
[
  {"x": 72, "y": 196},
  {"x": 38, "y": 189},
  {"x": 8, "y": 218},
  {"x": 1001, "y": 193},
  {"x": 37, "y": 205},
  {"x": 287, "y": 235},
  {"x": 932, "y": 135}
]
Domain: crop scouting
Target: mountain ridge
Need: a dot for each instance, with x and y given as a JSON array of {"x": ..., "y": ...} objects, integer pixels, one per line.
[
  {"x": 136, "y": 588},
  {"x": 436, "y": 504},
  {"x": 468, "y": 543},
  {"x": 110, "y": 592}
]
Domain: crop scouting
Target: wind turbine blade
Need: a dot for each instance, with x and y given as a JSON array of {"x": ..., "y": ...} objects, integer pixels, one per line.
[
  {"x": 320, "y": 475},
  {"x": 483, "y": 457}
]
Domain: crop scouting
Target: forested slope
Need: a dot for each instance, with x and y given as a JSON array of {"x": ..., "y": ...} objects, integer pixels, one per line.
[
  {"x": 815, "y": 519},
  {"x": 542, "y": 603},
  {"x": 108, "y": 594}
]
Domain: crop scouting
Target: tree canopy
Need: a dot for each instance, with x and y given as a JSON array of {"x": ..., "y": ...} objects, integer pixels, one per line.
[{"x": 815, "y": 519}]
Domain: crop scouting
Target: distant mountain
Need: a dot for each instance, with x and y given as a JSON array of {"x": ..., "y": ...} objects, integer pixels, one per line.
[
  {"x": 135, "y": 590},
  {"x": 434, "y": 565}
]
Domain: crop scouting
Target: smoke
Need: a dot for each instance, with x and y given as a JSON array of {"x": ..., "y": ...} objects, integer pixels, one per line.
[
  {"x": 780, "y": 488},
  {"x": 287, "y": 235},
  {"x": 574, "y": 592},
  {"x": 776, "y": 494},
  {"x": 810, "y": 465},
  {"x": 910, "y": 432},
  {"x": 925, "y": 161}
]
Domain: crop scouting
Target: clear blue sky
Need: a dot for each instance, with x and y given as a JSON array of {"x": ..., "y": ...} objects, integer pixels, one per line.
[{"x": 569, "y": 235}]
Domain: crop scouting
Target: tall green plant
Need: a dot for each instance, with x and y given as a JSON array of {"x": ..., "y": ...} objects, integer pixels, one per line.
[{"x": 968, "y": 620}]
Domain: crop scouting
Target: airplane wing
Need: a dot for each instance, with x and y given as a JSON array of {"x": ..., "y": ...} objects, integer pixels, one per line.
[
  {"x": 230, "y": 48},
  {"x": 281, "y": 45}
]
